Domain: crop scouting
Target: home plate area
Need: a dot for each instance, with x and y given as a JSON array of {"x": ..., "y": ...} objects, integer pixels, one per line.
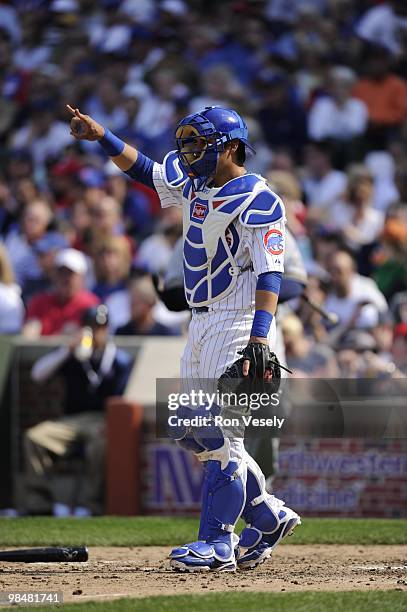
[{"x": 113, "y": 572}]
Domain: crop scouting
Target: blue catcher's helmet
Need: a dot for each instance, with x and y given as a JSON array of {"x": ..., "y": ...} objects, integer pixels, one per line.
[{"x": 202, "y": 136}]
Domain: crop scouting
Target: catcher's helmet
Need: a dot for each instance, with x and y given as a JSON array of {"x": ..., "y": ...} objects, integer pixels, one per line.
[{"x": 200, "y": 138}]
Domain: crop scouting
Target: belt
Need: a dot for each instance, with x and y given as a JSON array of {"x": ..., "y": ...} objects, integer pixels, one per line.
[{"x": 200, "y": 310}]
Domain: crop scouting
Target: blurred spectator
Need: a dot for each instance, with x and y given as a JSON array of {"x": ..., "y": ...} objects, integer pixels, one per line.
[
  {"x": 354, "y": 298},
  {"x": 307, "y": 32},
  {"x": 143, "y": 298},
  {"x": 134, "y": 203},
  {"x": 10, "y": 22},
  {"x": 385, "y": 95},
  {"x": 311, "y": 72},
  {"x": 219, "y": 89},
  {"x": 11, "y": 304},
  {"x": 400, "y": 179},
  {"x": 93, "y": 369},
  {"x": 281, "y": 114},
  {"x": 46, "y": 249},
  {"x": 322, "y": 184},
  {"x": 103, "y": 106},
  {"x": 31, "y": 53},
  {"x": 383, "y": 25},
  {"x": 324, "y": 247},
  {"x": 60, "y": 310},
  {"x": 354, "y": 353},
  {"x": 303, "y": 356},
  {"x": 35, "y": 219},
  {"x": 43, "y": 136},
  {"x": 112, "y": 266},
  {"x": 358, "y": 356},
  {"x": 157, "y": 110},
  {"x": 381, "y": 165},
  {"x": 155, "y": 252},
  {"x": 260, "y": 162},
  {"x": 106, "y": 221},
  {"x": 354, "y": 217},
  {"x": 313, "y": 322},
  {"x": 80, "y": 224},
  {"x": 400, "y": 347},
  {"x": 383, "y": 336},
  {"x": 288, "y": 188},
  {"x": 390, "y": 256},
  {"x": 338, "y": 115},
  {"x": 398, "y": 307},
  {"x": 64, "y": 183}
]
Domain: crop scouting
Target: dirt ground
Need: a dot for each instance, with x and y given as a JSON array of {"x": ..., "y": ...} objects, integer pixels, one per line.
[{"x": 139, "y": 572}]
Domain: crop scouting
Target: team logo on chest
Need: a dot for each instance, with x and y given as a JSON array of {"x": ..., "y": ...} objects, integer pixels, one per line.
[
  {"x": 199, "y": 209},
  {"x": 274, "y": 242}
]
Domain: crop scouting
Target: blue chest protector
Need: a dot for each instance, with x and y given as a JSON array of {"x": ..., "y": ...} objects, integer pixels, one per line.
[{"x": 210, "y": 238}]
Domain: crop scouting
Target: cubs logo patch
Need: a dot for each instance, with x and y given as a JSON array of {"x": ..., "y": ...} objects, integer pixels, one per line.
[
  {"x": 274, "y": 242},
  {"x": 199, "y": 211}
]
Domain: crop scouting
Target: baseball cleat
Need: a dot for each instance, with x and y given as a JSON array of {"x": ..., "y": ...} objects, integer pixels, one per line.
[
  {"x": 180, "y": 566},
  {"x": 203, "y": 556},
  {"x": 267, "y": 542}
]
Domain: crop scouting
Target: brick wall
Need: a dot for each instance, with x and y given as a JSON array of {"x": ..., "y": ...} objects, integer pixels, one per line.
[
  {"x": 345, "y": 477},
  {"x": 322, "y": 477}
]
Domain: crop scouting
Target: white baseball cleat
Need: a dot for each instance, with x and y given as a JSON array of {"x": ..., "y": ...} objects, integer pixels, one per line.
[{"x": 262, "y": 549}]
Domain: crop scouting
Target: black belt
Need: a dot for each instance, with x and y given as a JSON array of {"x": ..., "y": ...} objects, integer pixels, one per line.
[{"x": 200, "y": 309}]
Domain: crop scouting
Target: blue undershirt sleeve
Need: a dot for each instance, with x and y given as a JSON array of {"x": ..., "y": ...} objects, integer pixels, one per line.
[
  {"x": 269, "y": 281},
  {"x": 142, "y": 170}
]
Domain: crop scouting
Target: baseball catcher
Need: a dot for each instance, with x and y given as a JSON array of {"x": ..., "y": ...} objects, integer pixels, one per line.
[{"x": 233, "y": 260}]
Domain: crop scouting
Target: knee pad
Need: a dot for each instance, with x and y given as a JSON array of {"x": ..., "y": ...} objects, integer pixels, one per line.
[
  {"x": 261, "y": 509},
  {"x": 195, "y": 439},
  {"x": 177, "y": 427}
]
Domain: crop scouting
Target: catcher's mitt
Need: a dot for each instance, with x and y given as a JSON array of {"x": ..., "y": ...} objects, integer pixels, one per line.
[{"x": 264, "y": 372}]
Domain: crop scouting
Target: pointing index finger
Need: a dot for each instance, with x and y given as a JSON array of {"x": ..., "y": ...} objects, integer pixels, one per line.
[{"x": 71, "y": 110}]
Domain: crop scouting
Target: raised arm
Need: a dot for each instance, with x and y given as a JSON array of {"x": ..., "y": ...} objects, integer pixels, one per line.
[{"x": 127, "y": 158}]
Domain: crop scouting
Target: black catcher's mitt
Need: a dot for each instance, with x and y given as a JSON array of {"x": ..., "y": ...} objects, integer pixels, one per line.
[{"x": 264, "y": 372}]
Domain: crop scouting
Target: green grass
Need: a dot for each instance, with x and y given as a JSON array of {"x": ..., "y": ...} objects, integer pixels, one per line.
[
  {"x": 156, "y": 531},
  {"x": 350, "y": 601}
]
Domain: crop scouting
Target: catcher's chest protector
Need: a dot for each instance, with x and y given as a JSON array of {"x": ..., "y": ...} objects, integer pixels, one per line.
[{"x": 211, "y": 239}]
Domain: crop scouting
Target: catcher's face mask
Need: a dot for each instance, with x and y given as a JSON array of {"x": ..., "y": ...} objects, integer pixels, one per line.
[
  {"x": 201, "y": 137},
  {"x": 198, "y": 152}
]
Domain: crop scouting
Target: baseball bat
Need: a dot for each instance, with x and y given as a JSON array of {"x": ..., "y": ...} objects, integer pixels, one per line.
[
  {"x": 331, "y": 317},
  {"x": 58, "y": 554}
]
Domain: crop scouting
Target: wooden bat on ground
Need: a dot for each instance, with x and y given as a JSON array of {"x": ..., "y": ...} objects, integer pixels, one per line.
[{"x": 58, "y": 554}]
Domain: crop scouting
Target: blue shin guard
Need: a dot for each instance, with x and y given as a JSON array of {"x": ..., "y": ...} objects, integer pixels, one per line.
[
  {"x": 268, "y": 521},
  {"x": 222, "y": 503}
]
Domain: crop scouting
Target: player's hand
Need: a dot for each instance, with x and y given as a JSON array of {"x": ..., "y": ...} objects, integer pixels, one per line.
[
  {"x": 84, "y": 127},
  {"x": 246, "y": 362}
]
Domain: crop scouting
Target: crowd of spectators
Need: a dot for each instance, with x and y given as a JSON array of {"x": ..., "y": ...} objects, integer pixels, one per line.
[{"x": 321, "y": 84}]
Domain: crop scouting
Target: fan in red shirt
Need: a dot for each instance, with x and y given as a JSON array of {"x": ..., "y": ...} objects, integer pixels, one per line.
[{"x": 60, "y": 311}]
